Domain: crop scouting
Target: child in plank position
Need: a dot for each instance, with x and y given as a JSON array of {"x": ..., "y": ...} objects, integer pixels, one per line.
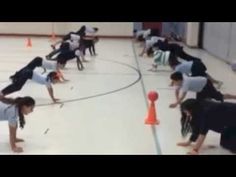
[{"x": 201, "y": 85}]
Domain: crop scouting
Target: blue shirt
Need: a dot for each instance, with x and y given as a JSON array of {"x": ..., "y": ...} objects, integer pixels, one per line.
[
  {"x": 9, "y": 113},
  {"x": 184, "y": 67},
  {"x": 41, "y": 79}
]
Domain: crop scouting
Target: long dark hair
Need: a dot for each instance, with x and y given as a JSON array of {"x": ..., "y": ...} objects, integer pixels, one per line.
[
  {"x": 176, "y": 76},
  {"x": 20, "y": 102},
  {"x": 192, "y": 106}
]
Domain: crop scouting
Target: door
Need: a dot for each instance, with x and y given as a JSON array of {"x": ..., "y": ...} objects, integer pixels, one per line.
[
  {"x": 217, "y": 38},
  {"x": 153, "y": 25}
]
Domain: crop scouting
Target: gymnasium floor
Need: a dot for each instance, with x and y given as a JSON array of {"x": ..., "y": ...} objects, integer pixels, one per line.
[{"x": 105, "y": 105}]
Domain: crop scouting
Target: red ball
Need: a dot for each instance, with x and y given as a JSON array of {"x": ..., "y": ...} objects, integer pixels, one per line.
[{"x": 152, "y": 95}]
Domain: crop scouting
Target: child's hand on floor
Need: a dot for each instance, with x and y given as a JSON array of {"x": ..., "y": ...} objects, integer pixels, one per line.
[{"x": 192, "y": 152}]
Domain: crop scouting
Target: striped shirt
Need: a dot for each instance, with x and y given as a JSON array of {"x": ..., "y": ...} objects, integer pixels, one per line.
[{"x": 161, "y": 57}]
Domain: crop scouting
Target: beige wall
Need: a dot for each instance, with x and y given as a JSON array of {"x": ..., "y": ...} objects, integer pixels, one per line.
[
  {"x": 27, "y": 28},
  {"x": 105, "y": 28},
  {"x": 192, "y": 34}
]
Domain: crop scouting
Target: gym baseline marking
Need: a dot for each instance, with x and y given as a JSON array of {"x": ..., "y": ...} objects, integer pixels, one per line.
[
  {"x": 106, "y": 93},
  {"x": 153, "y": 127}
]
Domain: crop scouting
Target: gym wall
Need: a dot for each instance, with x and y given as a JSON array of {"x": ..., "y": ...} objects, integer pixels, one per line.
[
  {"x": 219, "y": 39},
  {"x": 109, "y": 29}
]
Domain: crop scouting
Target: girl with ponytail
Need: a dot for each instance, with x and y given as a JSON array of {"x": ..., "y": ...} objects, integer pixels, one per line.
[
  {"x": 198, "y": 117},
  {"x": 13, "y": 111}
]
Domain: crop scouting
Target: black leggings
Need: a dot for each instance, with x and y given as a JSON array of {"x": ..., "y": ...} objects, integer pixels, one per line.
[
  {"x": 63, "y": 57},
  {"x": 209, "y": 91},
  {"x": 176, "y": 49},
  {"x": 182, "y": 54},
  {"x": 65, "y": 46},
  {"x": 90, "y": 45},
  {"x": 92, "y": 50},
  {"x": 198, "y": 69},
  {"x": 18, "y": 82},
  {"x": 54, "y": 52},
  {"x": 36, "y": 62},
  {"x": 67, "y": 37}
]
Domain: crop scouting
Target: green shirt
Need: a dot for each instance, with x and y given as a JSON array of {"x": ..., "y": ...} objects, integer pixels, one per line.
[{"x": 161, "y": 57}]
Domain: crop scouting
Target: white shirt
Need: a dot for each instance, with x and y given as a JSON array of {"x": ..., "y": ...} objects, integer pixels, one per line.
[
  {"x": 146, "y": 33},
  {"x": 139, "y": 33},
  {"x": 41, "y": 79},
  {"x": 74, "y": 37},
  {"x": 156, "y": 38},
  {"x": 49, "y": 65},
  {"x": 73, "y": 44},
  {"x": 10, "y": 113},
  {"x": 184, "y": 67},
  {"x": 78, "y": 53},
  {"x": 152, "y": 41},
  {"x": 89, "y": 30},
  {"x": 194, "y": 84}
]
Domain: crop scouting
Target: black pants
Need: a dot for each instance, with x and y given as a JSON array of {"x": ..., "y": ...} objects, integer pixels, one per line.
[
  {"x": 18, "y": 82},
  {"x": 54, "y": 52},
  {"x": 198, "y": 69},
  {"x": 209, "y": 91},
  {"x": 63, "y": 57},
  {"x": 186, "y": 56},
  {"x": 91, "y": 50},
  {"x": 66, "y": 56},
  {"x": 88, "y": 44},
  {"x": 176, "y": 49},
  {"x": 228, "y": 138},
  {"x": 36, "y": 62},
  {"x": 179, "y": 51},
  {"x": 65, "y": 46},
  {"x": 67, "y": 37}
]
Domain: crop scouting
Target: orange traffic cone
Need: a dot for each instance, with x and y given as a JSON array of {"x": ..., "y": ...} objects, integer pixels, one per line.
[
  {"x": 151, "y": 118},
  {"x": 29, "y": 43}
]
